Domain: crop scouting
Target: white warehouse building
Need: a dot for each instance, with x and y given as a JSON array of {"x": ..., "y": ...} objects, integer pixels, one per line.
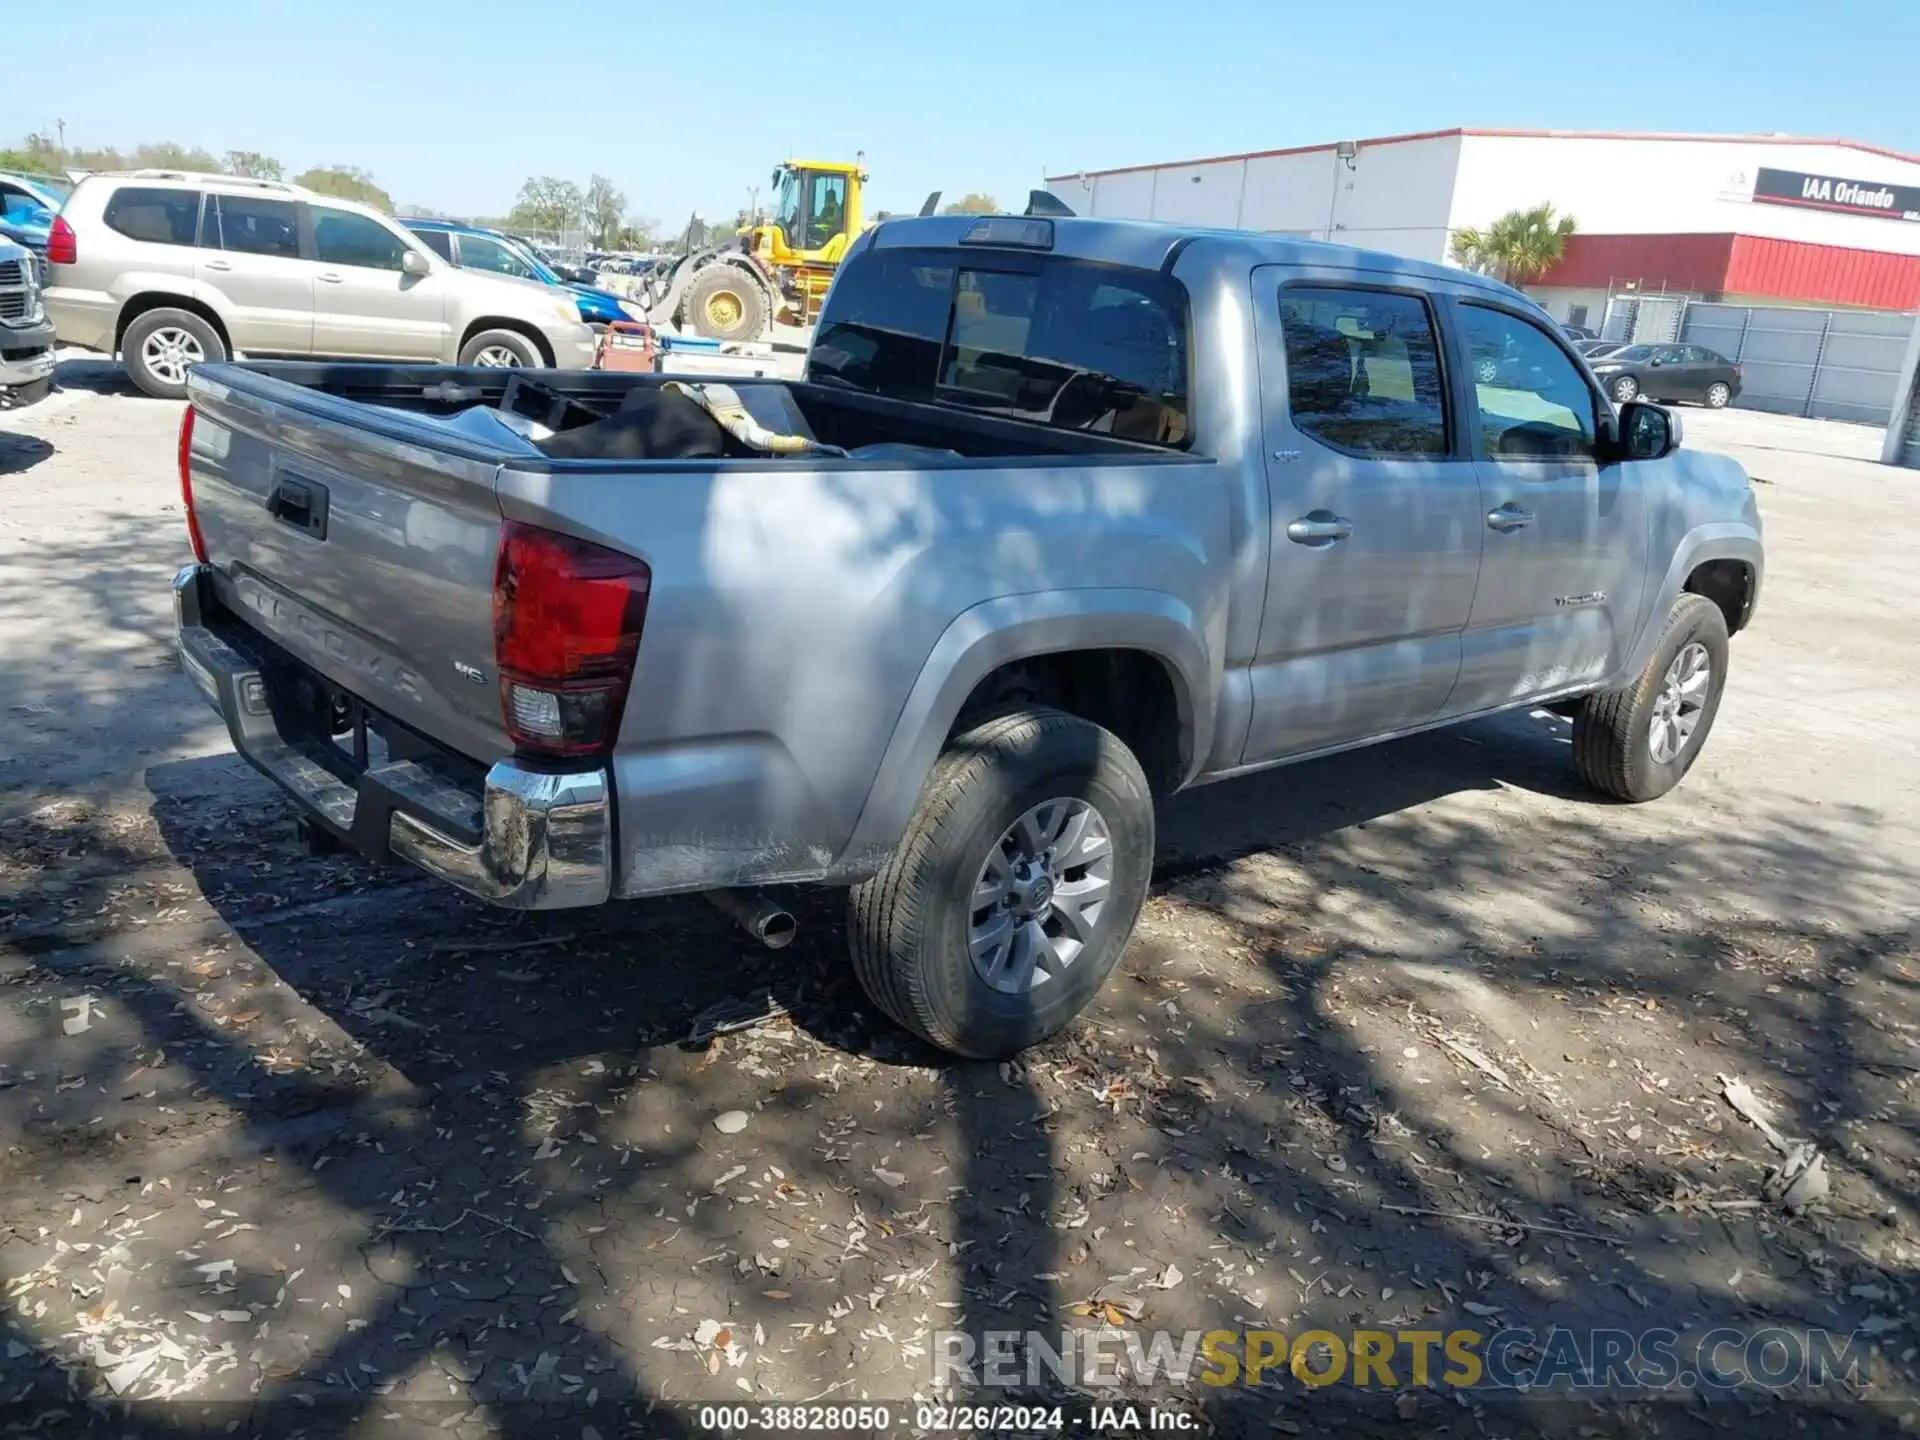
[
  {"x": 1694, "y": 232},
  {"x": 1407, "y": 195}
]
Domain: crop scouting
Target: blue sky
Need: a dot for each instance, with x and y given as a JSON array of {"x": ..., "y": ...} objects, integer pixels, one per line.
[{"x": 686, "y": 104}]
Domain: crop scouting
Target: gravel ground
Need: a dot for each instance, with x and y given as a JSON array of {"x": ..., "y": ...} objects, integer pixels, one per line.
[{"x": 1423, "y": 1038}]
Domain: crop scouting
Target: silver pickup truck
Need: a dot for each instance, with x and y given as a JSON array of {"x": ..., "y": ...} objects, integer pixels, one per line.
[{"x": 1066, "y": 515}]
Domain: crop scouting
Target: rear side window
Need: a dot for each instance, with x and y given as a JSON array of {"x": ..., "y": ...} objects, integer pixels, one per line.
[
  {"x": 159, "y": 217},
  {"x": 1067, "y": 343},
  {"x": 254, "y": 227},
  {"x": 1363, "y": 371},
  {"x": 341, "y": 237},
  {"x": 437, "y": 241}
]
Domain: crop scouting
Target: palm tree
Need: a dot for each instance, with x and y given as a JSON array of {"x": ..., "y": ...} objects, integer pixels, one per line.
[{"x": 1520, "y": 246}]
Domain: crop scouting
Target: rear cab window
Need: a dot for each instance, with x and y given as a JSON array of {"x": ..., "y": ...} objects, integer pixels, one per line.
[
  {"x": 153, "y": 214},
  {"x": 1073, "y": 344}
]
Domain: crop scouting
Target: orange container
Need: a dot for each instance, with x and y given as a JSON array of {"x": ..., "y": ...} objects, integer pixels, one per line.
[{"x": 627, "y": 345}]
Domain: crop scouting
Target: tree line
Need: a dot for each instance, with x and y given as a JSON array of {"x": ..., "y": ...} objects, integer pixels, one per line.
[
  {"x": 550, "y": 205},
  {"x": 39, "y": 152}
]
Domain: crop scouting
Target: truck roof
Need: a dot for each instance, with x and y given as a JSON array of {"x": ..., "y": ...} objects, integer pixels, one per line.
[{"x": 1151, "y": 244}]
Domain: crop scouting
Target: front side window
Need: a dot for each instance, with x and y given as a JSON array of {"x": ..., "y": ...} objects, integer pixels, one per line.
[
  {"x": 437, "y": 241},
  {"x": 1068, "y": 343},
  {"x": 255, "y": 227},
  {"x": 477, "y": 252},
  {"x": 22, "y": 208},
  {"x": 1363, "y": 371},
  {"x": 341, "y": 237},
  {"x": 157, "y": 216},
  {"x": 1534, "y": 404}
]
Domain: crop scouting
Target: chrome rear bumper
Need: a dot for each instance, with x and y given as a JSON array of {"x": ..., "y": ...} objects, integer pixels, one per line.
[{"x": 524, "y": 839}]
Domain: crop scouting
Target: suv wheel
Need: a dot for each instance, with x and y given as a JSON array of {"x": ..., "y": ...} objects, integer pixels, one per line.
[
  {"x": 161, "y": 346},
  {"x": 1007, "y": 904},
  {"x": 501, "y": 350}
]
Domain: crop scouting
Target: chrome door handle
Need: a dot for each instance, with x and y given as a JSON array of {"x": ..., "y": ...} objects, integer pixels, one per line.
[
  {"x": 1508, "y": 518},
  {"x": 219, "y": 265},
  {"x": 1319, "y": 527},
  {"x": 330, "y": 277}
]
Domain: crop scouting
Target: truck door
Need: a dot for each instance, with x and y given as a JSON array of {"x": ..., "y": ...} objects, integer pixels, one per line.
[
  {"x": 1375, "y": 509},
  {"x": 1565, "y": 538}
]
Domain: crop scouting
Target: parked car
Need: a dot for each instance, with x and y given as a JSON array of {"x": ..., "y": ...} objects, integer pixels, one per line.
[
  {"x": 1668, "y": 372},
  {"x": 28, "y": 204},
  {"x": 170, "y": 269},
  {"x": 1579, "y": 332},
  {"x": 1591, "y": 348},
  {"x": 472, "y": 248},
  {"x": 26, "y": 339},
  {"x": 1066, "y": 515}
]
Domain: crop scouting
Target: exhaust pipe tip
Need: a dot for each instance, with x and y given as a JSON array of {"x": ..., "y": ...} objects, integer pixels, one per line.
[{"x": 768, "y": 921}]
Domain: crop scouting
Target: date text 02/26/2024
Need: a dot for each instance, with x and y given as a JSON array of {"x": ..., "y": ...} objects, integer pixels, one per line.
[{"x": 919, "y": 1418}]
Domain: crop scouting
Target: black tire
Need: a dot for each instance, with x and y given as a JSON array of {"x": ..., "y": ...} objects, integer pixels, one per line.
[
  {"x": 501, "y": 343},
  {"x": 1719, "y": 395},
  {"x": 152, "y": 372},
  {"x": 726, "y": 303},
  {"x": 1611, "y": 730},
  {"x": 1625, "y": 388},
  {"x": 908, "y": 925}
]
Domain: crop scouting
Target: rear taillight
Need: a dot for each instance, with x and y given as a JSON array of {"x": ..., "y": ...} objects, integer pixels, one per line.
[
  {"x": 186, "y": 487},
  {"x": 62, "y": 247},
  {"x": 566, "y": 629}
]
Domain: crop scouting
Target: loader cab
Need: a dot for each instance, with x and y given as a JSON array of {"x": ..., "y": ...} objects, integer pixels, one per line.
[{"x": 816, "y": 205}]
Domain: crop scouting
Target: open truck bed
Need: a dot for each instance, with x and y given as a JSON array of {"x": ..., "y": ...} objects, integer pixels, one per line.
[{"x": 356, "y": 540}]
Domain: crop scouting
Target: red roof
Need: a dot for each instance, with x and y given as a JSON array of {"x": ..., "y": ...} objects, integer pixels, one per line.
[
  {"x": 1508, "y": 134},
  {"x": 1742, "y": 265}
]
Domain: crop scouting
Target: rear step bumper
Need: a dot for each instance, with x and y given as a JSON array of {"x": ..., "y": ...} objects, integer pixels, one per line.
[{"x": 526, "y": 839}]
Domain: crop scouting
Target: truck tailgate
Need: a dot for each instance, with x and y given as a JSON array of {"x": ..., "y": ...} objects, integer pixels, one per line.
[{"x": 363, "y": 541}]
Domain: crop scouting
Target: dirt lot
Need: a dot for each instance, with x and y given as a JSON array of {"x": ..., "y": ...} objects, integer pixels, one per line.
[{"x": 1423, "y": 1038}]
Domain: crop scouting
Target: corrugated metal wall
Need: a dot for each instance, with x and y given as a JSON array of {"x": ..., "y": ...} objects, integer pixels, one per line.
[
  {"x": 1903, "y": 432},
  {"x": 1827, "y": 364}
]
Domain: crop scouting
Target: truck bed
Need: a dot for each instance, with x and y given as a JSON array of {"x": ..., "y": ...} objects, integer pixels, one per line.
[{"x": 352, "y": 542}]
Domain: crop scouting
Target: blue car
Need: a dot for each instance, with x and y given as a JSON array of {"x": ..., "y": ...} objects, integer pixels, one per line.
[
  {"x": 28, "y": 204},
  {"x": 475, "y": 249}
]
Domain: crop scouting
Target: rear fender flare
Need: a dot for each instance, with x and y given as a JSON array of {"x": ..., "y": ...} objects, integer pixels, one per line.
[
  {"x": 1018, "y": 627},
  {"x": 166, "y": 290}
]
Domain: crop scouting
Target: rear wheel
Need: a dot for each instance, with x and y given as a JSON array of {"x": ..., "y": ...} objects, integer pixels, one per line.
[
  {"x": 1718, "y": 394},
  {"x": 501, "y": 350},
  {"x": 1625, "y": 388},
  {"x": 161, "y": 346},
  {"x": 726, "y": 303},
  {"x": 1016, "y": 888}
]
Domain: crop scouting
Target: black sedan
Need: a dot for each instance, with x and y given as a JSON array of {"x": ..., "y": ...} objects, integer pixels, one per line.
[{"x": 1668, "y": 372}]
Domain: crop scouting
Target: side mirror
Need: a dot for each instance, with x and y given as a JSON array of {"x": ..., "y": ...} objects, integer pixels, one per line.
[
  {"x": 416, "y": 264},
  {"x": 1647, "y": 432}
]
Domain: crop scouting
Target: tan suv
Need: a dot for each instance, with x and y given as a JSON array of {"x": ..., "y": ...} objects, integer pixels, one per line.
[{"x": 169, "y": 268}]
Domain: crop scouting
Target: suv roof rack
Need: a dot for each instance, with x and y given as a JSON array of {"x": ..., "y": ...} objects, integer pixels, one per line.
[{"x": 205, "y": 177}]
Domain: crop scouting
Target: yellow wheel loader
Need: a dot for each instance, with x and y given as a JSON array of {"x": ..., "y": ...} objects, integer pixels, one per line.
[{"x": 776, "y": 271}]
